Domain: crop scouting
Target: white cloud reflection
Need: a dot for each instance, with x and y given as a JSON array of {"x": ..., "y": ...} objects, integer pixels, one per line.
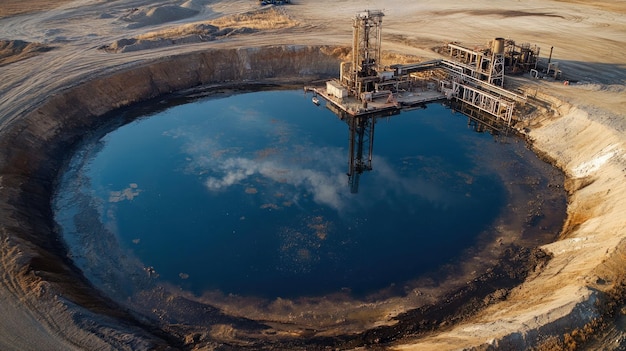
[
  {"x": 322, "y": 177},
  {"x": 318, "y": 173},
  {"x": 325, "y": 184}
]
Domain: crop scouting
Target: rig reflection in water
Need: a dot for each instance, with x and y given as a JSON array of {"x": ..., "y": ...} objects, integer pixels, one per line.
[
  {"x": 361, "y": 135},
  {"x": 361, "y": 142}
]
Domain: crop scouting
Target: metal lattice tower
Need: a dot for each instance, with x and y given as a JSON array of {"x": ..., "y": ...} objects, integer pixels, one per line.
[
  {"x": 361, "y": 135},
  {"x": 496, "y": 71},
  {"x": 366, "y": 48},
  {"x": 496, "y": 74}
]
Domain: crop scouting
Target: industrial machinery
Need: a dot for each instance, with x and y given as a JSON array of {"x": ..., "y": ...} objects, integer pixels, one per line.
[
  {"x": 472, "y": 79},
  {"x": 362, "y": 72}
]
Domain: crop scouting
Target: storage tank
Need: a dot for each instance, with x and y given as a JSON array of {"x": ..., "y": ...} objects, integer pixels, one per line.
[{"x": 498, "y": 46}]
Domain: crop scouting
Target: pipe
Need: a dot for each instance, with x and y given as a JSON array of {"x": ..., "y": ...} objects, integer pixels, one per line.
[{"x": 550, "y": 57}]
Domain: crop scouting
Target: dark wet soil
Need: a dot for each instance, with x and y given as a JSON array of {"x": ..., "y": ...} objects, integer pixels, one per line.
[{"x": 490, "y": 287}]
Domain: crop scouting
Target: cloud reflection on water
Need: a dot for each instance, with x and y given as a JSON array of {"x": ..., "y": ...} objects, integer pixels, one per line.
[
  {"x": 318, "y": 172},
  {"x": 327, "y": 186},
  {"x": 239, "y": 146}
]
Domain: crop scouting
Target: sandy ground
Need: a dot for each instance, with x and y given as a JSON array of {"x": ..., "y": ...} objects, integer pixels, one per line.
[{"x": 581, "y": 126}]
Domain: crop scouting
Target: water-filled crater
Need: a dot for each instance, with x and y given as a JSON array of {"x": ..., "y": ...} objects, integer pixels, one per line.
[{"x": 249, "y": 200}]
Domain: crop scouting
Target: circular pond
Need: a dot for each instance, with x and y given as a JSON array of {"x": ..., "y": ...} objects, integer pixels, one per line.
[{"x": 250, "y": 195}]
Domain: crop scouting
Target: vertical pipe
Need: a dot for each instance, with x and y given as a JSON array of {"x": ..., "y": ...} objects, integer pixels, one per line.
[
  {"x": 355, "y": 54},
  {"x": 371, "y": 140},
  {"x": 550, "y": 57},
  {"x": 537, "y": 58},
  {"x": 352, "y": 128},
  {"x": 379, "y": 41}
]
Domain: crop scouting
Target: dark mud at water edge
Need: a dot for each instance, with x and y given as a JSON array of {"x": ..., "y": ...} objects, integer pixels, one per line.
[{"x": 232, "y": 219}]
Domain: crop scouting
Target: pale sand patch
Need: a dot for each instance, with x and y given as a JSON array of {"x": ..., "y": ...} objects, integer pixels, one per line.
[{"x": 20, "y": 7}]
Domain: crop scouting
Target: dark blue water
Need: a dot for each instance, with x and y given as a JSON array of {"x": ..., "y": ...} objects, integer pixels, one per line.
[{"x": 249, "y": 195}]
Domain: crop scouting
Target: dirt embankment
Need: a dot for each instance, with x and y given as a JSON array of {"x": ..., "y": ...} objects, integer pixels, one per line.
[
  {"x": 16, "y": 50},
  {"x": 581, "y": 289},
  {"x": 34, "y": 263},
  {"x": 38, "y": 272},
  {"x": 221, "y": 28},
  {"x": 35, "y": 259},
  {"x": 46, "y": 304}
]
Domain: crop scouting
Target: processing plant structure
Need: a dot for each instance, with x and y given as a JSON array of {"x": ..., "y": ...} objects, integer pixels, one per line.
[{"x": 471, "y": 80}]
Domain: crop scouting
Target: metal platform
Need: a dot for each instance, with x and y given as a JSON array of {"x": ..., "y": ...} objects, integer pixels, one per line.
[{"x": 381, "y": 102}]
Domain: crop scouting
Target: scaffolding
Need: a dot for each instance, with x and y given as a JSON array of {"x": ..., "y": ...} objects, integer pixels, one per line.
[
  {"x": 496, "y": 106},
  {"x": 483, "y": 64},
  {"x": 366, "y": 52}
]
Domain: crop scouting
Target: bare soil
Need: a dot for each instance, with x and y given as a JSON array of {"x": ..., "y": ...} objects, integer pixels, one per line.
[
  {"x": 18, "y": 7},
  {"x": 570, "y": 301}
]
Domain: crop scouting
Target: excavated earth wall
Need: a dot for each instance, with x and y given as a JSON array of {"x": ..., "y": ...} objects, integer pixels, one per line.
[
  {"x": 588, "y": 260},
  {"x": 581, "y": 290},
  {"x": 34, "y": 260}
]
